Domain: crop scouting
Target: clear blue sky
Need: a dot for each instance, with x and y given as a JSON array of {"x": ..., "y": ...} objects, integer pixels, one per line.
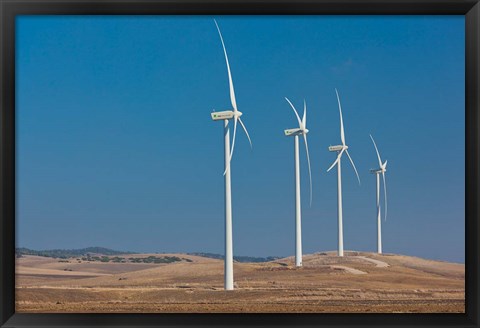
[{"x": 116, "y": 147}]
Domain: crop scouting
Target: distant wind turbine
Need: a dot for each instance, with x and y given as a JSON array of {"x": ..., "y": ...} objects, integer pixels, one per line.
[
  {"x": 340, "y": 149},
  {"x": 225, "y": 116},
  {"x": 301, "y": 130},
  {"x": 381, "y": 170}
]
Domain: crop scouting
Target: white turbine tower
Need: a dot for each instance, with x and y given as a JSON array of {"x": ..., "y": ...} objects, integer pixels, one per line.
[
  {"x": 225, "y": 116},
  {"x": 301, "y": 130},
  {"x": 381, "y": 170},
  {"x": 340, "y": 149}
]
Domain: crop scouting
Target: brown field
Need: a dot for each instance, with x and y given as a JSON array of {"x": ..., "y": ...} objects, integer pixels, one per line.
[{"x": 358, "y": 282}]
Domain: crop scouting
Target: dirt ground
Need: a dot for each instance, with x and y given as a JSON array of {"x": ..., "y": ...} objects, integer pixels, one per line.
[{"x": 358, "y": 282}]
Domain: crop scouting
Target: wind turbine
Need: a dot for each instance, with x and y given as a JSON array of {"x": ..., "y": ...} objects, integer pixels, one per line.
[
  {"x": 340, "y": 149},
  {"x": 225, "y": 116},
  {"x": 381, "y": 170},
  {"x": 301, "y": 130}
]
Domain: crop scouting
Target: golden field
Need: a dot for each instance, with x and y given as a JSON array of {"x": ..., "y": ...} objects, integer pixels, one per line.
[{"x": 358, "y": 282}]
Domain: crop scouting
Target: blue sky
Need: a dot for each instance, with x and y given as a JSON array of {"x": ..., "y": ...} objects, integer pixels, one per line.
[{"x": 116, "y": 147}]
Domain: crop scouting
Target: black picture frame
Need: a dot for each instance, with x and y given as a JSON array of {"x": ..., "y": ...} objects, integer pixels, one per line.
[{"x": 9, "y": 9}]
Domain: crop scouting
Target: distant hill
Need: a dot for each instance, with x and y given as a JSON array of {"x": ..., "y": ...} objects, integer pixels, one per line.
[
  {"x": 67, "y": 253},
  {"x": 238, "y": 258}
]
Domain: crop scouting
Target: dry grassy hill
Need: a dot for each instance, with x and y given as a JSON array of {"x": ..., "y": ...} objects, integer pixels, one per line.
[{"x": 358, "y": 282}]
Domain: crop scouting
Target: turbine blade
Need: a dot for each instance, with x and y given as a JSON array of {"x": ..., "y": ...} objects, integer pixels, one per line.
[
  {"x": 228, "y": 166},
  {"x": 309, "y": 170},
  {"x": 378, "y": 154},
  {"x": 342, "y": 133},
  {"x": 304, "y": 118},
  {"x": 234, "y": 134},
  {"x": 230, "y": 82},
  {"x": 351, "y": 161},
  {"x": 338, "y": 158},
  {"x": 385, "y": 190},
  {"x": 246, "y": 132},
  {"x": 293, "y": 107}
]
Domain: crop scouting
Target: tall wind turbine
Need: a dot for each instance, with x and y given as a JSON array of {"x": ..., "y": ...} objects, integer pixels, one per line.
[
  {"x": 301, "y": 130},
  {"x": 340, "y": 149},
  {"x": 381, "y": 170},
  {"x": 225, "y": 116}
]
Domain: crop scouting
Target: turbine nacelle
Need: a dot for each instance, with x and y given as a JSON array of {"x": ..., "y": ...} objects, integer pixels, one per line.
[
  {"x": 225, "y": 115},
  {"x": 337, "y": 148},
  {"x": 295, "y": 132}
]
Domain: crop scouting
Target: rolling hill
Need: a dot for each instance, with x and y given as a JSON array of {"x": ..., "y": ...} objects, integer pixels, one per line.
[{"x": 358, "y": 282}]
